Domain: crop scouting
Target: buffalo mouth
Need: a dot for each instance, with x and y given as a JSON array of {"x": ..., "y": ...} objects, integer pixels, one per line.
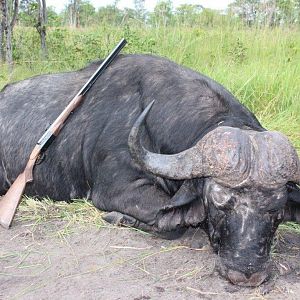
[{"x": 253, "y": 279}]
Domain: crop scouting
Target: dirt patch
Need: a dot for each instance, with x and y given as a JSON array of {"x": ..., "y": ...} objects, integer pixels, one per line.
[{"x": 59, "y": 259}]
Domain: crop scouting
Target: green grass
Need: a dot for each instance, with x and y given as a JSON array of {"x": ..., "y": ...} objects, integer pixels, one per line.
[{"x": 261, "y": 67}]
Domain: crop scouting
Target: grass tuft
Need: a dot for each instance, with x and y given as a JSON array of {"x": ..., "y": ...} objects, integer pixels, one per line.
[
  {"x": 77, "y": 212},
  {"x": 291, "y": 226}
]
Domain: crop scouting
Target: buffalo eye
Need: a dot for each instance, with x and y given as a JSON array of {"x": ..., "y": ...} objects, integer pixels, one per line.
[
  {"x": 221, "y": 197},
  {"x": 223, "y": 200}
]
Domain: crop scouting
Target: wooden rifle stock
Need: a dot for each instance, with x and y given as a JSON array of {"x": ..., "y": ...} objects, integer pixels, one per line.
[{"x": 10, "y": 201}]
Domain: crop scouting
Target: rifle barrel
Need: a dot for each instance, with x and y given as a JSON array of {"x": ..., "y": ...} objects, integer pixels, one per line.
[
  {"x": 102, "y": 67},
  {"x": 47, "y": 137}
]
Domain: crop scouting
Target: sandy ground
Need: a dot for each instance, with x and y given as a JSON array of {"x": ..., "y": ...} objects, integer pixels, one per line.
[{"x": 59, "y": 259}]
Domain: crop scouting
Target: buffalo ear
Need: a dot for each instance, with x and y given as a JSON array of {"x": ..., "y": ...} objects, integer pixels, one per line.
[
  {"x": 188, "y": 200},
  {"x": 293, "y": 193},
  {"x": 196, "y": 213}
]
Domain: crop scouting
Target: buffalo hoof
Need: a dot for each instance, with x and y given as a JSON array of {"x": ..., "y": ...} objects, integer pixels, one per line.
[
  {"x": 119, "y": 219},
  {"x": 242, "y": 279}
]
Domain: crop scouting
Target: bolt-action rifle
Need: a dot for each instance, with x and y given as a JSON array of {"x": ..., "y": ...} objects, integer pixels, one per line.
[{"x": 10, "y": 201}]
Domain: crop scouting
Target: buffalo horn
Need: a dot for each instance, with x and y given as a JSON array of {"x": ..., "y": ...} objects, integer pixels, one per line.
[{"x": 183, "y": 165}]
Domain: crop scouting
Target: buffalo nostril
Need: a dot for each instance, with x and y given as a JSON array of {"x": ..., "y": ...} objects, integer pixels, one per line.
[
  {"x": 255, "y": 279},
  {"x": 248, "y": 274},
  {"x": 248, "y": 277},
  {"x": 250, "y": 270}
]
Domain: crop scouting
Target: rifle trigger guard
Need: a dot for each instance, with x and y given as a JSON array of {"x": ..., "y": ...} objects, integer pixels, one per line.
[{"x": 41, "y": 157}]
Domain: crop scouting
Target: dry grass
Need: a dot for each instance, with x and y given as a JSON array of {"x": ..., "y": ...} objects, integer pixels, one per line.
[{"x": 79, "y": 212}]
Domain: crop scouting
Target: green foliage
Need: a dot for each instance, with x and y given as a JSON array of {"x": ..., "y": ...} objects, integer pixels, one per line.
[
  {"x": 162, "y": 14},
  {"x": 238, "y": 51},
  {"x": 188, "y": 14},
  {"x": 140, "y": 12},
  {"x": 54, "y": 19},
  {"x": 28, "y": 12},
  {"x": 110, "y": 15},
  {"x": 81, "y": 13},
  {"x": 259, "y": 66},
  {"x": 267, "y": 12},
  {"x": 138, "y": 43},
  {"x": 86, "y": 13}
]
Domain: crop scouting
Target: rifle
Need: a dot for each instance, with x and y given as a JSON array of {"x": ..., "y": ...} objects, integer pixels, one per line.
[{"x": 11, "y": 200}]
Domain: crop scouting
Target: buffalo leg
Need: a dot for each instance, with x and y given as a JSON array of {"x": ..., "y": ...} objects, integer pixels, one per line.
[
  {"x": 119, "y": 219},
  {"x": 134, "y": 194},
  {"x": 140, "y": 206}
]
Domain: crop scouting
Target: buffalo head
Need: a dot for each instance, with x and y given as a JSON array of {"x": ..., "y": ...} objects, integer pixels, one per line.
[{"x": 245, "y": 173}]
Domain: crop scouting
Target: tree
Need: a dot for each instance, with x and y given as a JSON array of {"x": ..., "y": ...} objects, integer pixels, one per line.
[
  {"x": 7, "y": 23},
  {"x": 267, "y": 12},
  {"x": 286, "y": 11},
  {"x": 140, "y": 11},
  {"x": 6, "y": 28},
  {"x": 1, "y": 34},
  {"x": 86, "y": 13},
  {"x": 72, "y": 13},
  {"x": 15, "y": 10},
  {"x": 187, "y": 14},
  {"x": 128, "y": 14},
  {"x": 297, "y": 12},
  {"x": 110, "y": 15},
  {"x": 34, "y": 13},
  {"x": 79, "y": 13},
  {"x": 28, "y": 12},
  {"x": 41, "y": 25},
  {"x": 162, "y": 13},
  {"x": 53, "y": 19},
  {"x": 247, "y": 10}
]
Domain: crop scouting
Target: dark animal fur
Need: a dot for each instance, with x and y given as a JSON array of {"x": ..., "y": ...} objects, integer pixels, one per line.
[
  {"x": 90, "y": 157},
  {"x": 91, "y": 152}
]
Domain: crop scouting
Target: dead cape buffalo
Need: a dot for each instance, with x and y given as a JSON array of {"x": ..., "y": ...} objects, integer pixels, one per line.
[{"x": 197, "y": 157}]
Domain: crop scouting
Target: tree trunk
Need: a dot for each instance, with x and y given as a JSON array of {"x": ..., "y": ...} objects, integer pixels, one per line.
[
  {"x": 41, "y": 26},
  {"x": 73, "y": 13},
  {"x": 70, "y": 15},
  {"x": 7, "y": 32},
  {"x": 76, "y": 14},
  {"x": 15, "y": 14},
  {"x": 272, "y": 14},
  {"x": 1, "y": 34}
]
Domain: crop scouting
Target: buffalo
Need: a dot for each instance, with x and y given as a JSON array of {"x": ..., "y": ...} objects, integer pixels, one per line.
[{"x": 161, "y": 148}]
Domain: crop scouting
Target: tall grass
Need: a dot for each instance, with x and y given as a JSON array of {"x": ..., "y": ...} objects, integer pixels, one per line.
[{"x": 261, "y": 67}]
